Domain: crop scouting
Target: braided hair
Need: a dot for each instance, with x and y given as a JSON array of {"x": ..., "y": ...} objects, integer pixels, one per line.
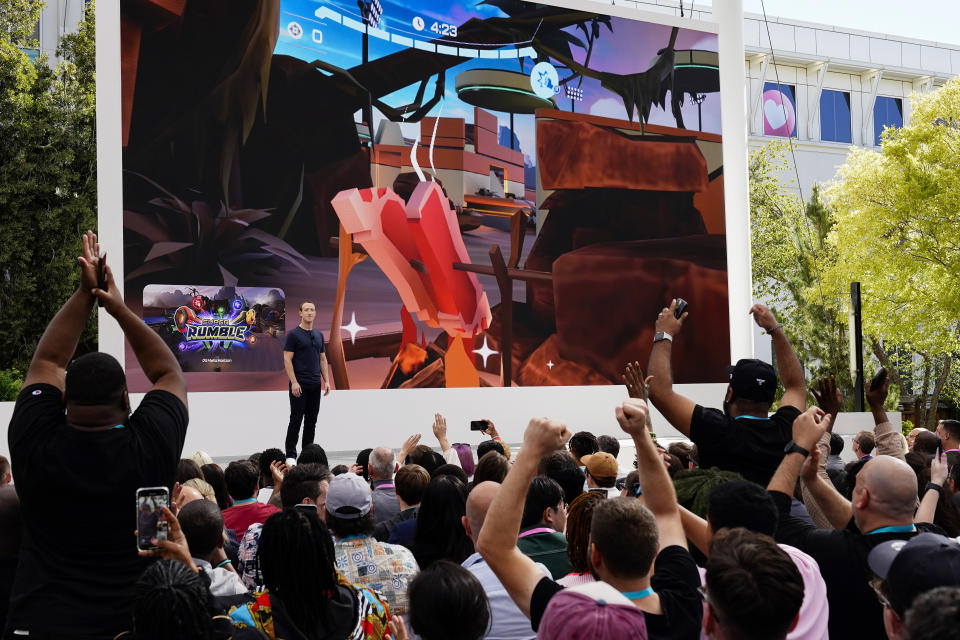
[
  {"x": 579, "y": 517},
  {"x": 171, "y": 601},
  {"x": 297, "y": 560}
]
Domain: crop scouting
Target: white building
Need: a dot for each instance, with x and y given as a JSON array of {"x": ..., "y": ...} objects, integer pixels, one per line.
[
  {"x": 57, "y": 18},
  {"x": 843, "y": 84}
]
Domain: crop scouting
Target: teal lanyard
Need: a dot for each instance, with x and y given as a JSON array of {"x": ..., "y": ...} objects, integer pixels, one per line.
[
  {"x": 750, "y": 418},
  {"x": 247, "y": 501},
  {"x": 901, "y": 529},
  {"x": 637, "y": 595}
]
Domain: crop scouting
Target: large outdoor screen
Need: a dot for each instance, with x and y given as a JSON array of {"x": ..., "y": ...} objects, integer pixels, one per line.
[{"x": 471, "y": 193}]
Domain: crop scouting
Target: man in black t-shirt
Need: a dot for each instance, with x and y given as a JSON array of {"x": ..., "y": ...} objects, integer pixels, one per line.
[
  {"x": 77, "y": 473},
  {"x": 305, "y": 362},
  {"x": 625, "y": 537},
  {"x": 743, "y": 437}
]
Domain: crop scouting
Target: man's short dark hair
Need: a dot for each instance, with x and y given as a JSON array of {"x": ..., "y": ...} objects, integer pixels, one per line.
[
  {"x": 685, "y": 452},
  {"x": 926, "y": 442},
  {"x": 836, "y": 444},
  {"x": 866, "y": 441},
  {"x": 445, "y": 596},
  {"x": 934, "y": 615},
  {"x": 544, "y": 493},
  {"x": 952, "y": 427},
  {"x": 625, "y": 533},
  {"x": 561, "y": 466},
  {"x": 450, "y": 470},
  {"x": 742, "y": 504},
  {"x": 583, "y": 443},
  {"x": 344, "y": 527},
  {"x": 303, "y": 481},
  {"x": 95, "y": 379},
  {"x": 308, "y": 302},
  {"x": 313, "y": 453},
  {"x": 242, "y": 477},
  {"x": 489, "y": 445},
  {"x": 753, "y": 585},
  {"x": 267, "y": 457},
  {"x": 609, "y": 444},
  {"x": 410, "y": 483},
  {"x": 431, "y": 461},
  {"x": 202, "y": 525}
]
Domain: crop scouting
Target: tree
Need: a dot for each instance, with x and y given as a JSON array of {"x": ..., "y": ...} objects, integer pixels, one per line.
[
  {"x": 788, "y": 240},
  {"x": 897, "y": 232},
  {"x": 48, "y": 180}
]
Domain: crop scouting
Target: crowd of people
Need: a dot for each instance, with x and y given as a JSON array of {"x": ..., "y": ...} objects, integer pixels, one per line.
[{"x": 752, "y": 528}]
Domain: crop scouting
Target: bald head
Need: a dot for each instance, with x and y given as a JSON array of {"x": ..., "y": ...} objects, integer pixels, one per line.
[
  {"x": 188, "y": 494},
  {"x": 478, "y": 503},
  {"x": 892, "y": 485}
]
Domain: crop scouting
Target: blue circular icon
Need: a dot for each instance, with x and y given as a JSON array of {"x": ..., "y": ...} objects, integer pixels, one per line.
[{"x": 544, "y": 80}]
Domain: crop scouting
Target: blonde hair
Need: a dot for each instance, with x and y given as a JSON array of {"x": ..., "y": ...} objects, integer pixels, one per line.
[
  {"x": 201, "y": 458},
  {"x": 204, "y": 487}
]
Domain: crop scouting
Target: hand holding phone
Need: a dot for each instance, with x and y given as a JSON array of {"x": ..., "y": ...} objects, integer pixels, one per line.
[
  {"x": 878, "y": 379},
  {"x": 479, "y": 425},
  {"x": 680, "y": 308},
  {"x": 150, "y": 522},
  {"x": 102, "y": 283}
]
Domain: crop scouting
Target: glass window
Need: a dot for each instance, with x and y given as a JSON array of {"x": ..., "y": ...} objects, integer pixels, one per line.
[
  {"x": 835, "y": 116},
  {"x": 779, "y": 110},
  {"x": 887, "y": 112}
]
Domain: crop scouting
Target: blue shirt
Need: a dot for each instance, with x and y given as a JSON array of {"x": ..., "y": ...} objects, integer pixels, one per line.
[
  {"x": 306, "y": 347},
  {"x": 507, "y": 622}
]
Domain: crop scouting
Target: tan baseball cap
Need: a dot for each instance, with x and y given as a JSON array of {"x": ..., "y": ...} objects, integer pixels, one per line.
[{"x": 601, "y": 465}]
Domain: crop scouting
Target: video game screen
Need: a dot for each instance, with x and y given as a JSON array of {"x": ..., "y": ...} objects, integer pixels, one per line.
[{"x": 473, "y": 193}]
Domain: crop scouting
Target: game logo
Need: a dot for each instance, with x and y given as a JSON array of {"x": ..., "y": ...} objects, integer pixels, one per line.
[{"x": 219, "y": 328}]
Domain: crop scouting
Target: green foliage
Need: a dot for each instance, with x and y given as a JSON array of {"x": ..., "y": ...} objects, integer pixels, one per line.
[
  {"x": 48, "y": 180},
  {"x": 907, "y": 427},
  {"x": 788, "y": 243},
  {"x": 10, "y": 382}
]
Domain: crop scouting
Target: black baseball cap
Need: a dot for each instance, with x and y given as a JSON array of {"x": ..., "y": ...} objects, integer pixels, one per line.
[
  {"x": 753, "y": 380},
  {"x": 912, "y": 567}
]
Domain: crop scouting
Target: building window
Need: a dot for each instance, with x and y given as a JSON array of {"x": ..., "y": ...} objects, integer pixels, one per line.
[
  {"x": 835, "y": 116},
  {"x": 779, "y": 110},
  {"x": 887, "y": 112}
]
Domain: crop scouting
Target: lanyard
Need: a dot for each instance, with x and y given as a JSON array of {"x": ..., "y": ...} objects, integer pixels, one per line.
[
  {"x": 750, "y": 418},
  {"x": 637, "y": 595},
  {"x": 248, "y": 500},
  {"x": 530, "y": 532},
  {"x": 901, "y": 529},
  {"x": 354, "y": 537},
  {"x": 384, "y": 486}
]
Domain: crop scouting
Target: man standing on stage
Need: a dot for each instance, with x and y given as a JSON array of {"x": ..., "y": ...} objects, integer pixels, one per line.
[{"x": 305, "y": 362}]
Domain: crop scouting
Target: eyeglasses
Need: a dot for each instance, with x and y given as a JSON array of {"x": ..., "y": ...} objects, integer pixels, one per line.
[
  {"x": 702, "y": 590},
  {"x": 879, "y": 586}
]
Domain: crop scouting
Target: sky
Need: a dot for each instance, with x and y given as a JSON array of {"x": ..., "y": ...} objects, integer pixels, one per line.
[{"x": 935, "y": 20}]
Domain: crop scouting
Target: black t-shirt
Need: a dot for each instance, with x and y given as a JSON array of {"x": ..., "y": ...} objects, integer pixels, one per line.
[
  {"x": 77, "y": 489},
  {"x": 753, "y": 447},
  {"x": 675, "y": 579},
  {"x": 855, "y": 611},
  {"x": 306, "y": 347}
]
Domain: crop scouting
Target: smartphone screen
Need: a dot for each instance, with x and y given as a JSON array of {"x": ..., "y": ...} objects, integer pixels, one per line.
[
  {"x": 150, "y": 522},
  {"x": 478, "y": 425}
]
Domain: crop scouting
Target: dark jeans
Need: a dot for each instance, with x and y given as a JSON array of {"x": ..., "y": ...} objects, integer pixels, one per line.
[{"x": 305, "y": 408}]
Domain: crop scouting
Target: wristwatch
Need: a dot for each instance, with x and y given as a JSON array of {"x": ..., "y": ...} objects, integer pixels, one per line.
[
  {"x": 662, "y": 335},
  {"x": 793, "y": 447}
]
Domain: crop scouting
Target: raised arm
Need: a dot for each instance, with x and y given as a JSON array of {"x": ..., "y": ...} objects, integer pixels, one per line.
[
  {"x": 497, "y": 542},
  {"x": 887, "y": 438},
  {"x": 938, "y": 475},
  {"x": 835, "y": 508},
  {"x": 59, "y": 340},
  {"x": 788, "y": 365},
  {"x": 696, "y": 530},
  {"x": 658, "y": 490},
  {"x": 807, "y": 429},
  {"x": 155, "y": 358},
  {"x": 677, "y": 409}
]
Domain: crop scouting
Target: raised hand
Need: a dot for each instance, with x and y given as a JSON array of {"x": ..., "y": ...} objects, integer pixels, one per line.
[
  {"x": 811, "y": 466},
  {"x": 408, "y": 445},
  {"x": 763, "y": 316},
  {"x": 111, "y": 299},
  {"x": 490, "y": 429},
  {"x": 878, "y": 397},
  {"x": 175, "y": 498},
  {"x": 827, "y": 395},
  {"x": 544, "y": 435},
  {"x": 632, "y": 416},
  {"x": 439, "y": 426},
  {"x": 666, "y": 321},
  {"x": 89, "y": 261},
  {"x": 809, "y": 426},
  {"x": 175, "y": 546},
  {"x": 636, "y": 383},
  {"x": 938, "y": 468},
  {"x": 278, "y": 469}
]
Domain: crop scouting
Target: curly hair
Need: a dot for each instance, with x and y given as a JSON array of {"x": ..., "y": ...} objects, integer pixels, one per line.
[{"x": 579, "y": 517}]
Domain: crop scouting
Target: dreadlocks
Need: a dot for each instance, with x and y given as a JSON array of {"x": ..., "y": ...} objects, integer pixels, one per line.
[
  {"x": 579, "y": 517},
  {"x": 297, "y": 560},
  {"x": 171, "y": 602}
]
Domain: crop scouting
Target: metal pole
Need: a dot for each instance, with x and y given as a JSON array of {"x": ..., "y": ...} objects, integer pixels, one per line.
[{"x": 856, "y": 358}]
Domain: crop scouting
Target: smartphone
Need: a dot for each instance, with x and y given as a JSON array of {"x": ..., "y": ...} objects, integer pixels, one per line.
[
  {"x": 102, "y": 275},
  {"x": 150, "y": 522},
  {"x": 878, "y": 379},
  {"x": 680, "y": 308},
  {"x": 479, "y": 425}
]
